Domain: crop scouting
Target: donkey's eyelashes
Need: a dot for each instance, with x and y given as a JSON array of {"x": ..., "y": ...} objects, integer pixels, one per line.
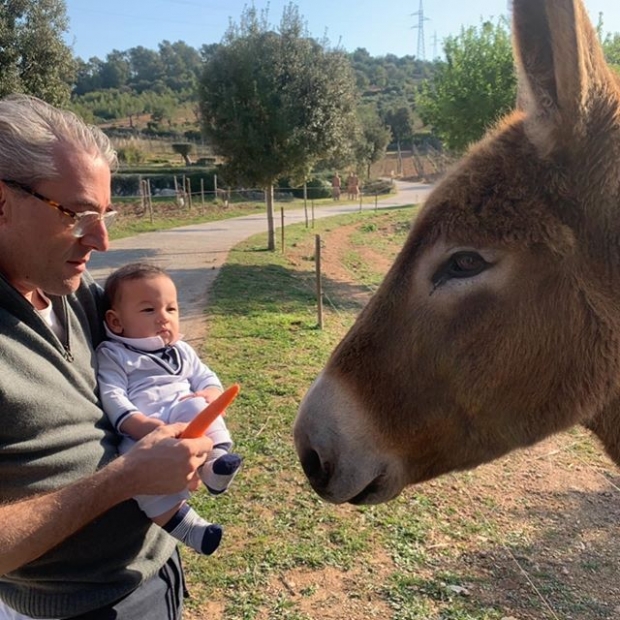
[{"x": 462, "y": 264}]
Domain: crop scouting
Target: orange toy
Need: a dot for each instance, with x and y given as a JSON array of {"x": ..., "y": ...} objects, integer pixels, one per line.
[{"x": 206, "y": 417}]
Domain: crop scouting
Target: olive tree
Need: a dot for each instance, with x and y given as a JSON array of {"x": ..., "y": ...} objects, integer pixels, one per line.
[
  {"x": 184, "y": 149},
  {"x": 275, "y": 101},
  {"x": 33, "y": 56}
]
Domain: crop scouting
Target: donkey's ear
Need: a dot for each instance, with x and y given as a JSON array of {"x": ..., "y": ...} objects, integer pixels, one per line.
[{"x": 561, "y": 68}]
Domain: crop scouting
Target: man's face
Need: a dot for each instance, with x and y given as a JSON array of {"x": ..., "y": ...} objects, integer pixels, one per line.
[
  {"x": 37, "y": 247},
  {"x": 144, "y": 308}
]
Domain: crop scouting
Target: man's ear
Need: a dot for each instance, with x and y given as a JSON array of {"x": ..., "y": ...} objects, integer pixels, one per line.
[{"x": 113, "y": 322}]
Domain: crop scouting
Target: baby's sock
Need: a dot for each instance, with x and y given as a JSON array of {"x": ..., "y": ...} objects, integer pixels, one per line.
[
  {"x": 219, "y": 470},
  {"x": 190, "y": 528}
]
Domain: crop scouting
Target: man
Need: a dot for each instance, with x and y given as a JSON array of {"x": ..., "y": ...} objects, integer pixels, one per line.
[{"x": 72, "y": 543}]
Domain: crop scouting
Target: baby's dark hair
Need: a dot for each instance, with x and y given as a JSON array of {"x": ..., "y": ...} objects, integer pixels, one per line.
[{"x": 127, "y": 273}]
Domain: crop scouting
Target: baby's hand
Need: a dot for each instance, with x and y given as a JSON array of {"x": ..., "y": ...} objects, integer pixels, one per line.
[
  {"x": 137, "y": 425},
  {"x": 209, "y": 394}
]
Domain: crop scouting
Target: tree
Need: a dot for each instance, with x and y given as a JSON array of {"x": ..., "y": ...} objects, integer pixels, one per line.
[
  {"x": 116, "y": 70},
  {"x": 183, "y": 149},
  {"x": 146, "y": 68},
  {"x": 181, "y": 65},
  {"x": 88, "y": 76},
  {"x": 474, "y": 87},
  {"x": 373, "y": 138},
  {"x": 611, "y": 47},
  {"x": 274, "y": 102},
  {"x": 610, "y": 43},
  {"x": 33, "y": 56},
  {"x": 401, "y": 120}
]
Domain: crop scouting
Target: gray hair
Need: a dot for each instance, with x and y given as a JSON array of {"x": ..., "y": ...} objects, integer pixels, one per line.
[{"x": 29, "y": 131}]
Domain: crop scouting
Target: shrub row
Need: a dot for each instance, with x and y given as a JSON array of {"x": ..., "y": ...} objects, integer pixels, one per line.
[{"x": 125, "y": 183}]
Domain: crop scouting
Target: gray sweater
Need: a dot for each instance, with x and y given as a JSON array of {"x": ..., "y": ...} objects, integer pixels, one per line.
[{"x": 52, "y": 433}]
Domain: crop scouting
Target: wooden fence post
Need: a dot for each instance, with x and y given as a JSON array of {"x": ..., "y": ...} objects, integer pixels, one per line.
[
  {"x": 141, "y": 190},
  {"x": 319, "y": 287},
  {"x": 188, "y": 191},
  {"x": 306, "y": 201},
  {"x": 282, "y": 226},
  {"x": 149, "y": 199}
]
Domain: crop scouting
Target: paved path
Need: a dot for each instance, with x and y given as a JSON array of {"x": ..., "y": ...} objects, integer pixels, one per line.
[{"x": 193, "y": 254}]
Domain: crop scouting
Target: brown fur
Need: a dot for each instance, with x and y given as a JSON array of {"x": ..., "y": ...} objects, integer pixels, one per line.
[{"x": 444, "y": 373}]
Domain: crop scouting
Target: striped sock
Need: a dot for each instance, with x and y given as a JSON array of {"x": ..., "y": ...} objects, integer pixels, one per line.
[
  {"x": 191, "y": 529},
  {"x": 218, "y": 472}
]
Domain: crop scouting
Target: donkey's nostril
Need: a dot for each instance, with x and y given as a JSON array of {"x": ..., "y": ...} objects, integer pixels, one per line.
[{"x": 318, "y": 472}]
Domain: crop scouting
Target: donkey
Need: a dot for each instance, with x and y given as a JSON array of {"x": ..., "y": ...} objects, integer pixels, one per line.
[{"x": 499, "y": 322}]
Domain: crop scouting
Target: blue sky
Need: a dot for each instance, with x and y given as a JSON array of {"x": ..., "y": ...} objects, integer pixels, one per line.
[{"x": 381, "y": 26}]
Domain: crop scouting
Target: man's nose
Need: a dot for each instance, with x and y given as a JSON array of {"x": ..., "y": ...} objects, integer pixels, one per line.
[{"x": 96, "y": 238}]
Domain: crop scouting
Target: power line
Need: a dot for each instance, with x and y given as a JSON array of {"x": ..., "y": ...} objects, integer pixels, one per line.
[{"x": 420, "y": 28}]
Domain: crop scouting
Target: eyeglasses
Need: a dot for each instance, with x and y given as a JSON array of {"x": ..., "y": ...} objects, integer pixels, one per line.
[{"x": 82, "y": 223}]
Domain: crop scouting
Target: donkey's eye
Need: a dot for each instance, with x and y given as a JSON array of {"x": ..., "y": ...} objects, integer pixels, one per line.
[
  {"x": 465, "y": 265},
  {"x": 459, "y": 265}
]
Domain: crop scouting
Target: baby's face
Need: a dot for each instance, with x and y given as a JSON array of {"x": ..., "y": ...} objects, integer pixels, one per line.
[{"x": 146, "y": 308}]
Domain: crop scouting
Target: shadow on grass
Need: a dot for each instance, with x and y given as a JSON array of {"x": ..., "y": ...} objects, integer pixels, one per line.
[{"x": 243, "y": 290}]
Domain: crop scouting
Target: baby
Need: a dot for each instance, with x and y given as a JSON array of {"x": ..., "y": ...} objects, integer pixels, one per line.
[{"x": 149, "y": 377}]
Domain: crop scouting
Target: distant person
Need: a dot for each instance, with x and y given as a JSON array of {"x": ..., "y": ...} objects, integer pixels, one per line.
[
  {"x": 353, "y": 188},
  {"x": 149, "y": 377},
  {"x": 356, "y": 186},
  {"x": 336, "y": 183}
]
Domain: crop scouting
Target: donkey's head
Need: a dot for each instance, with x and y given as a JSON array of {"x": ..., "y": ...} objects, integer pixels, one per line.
[{"x": 499, "y": 322}]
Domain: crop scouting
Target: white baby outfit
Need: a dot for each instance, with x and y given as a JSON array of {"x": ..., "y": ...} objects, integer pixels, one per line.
[{"x": 145, "y": 375}]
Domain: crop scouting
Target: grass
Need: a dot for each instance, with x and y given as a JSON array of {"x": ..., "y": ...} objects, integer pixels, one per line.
[{"x": 263, "y": 334}]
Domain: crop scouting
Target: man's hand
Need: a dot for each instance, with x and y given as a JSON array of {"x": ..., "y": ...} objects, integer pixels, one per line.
[{"x": 161, "y": 463}]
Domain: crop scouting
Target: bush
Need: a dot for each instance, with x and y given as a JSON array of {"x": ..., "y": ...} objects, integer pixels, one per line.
[
  {"x": 205, "y": 161},
  {"x": 192, "y": 135},
  {"x": 316, "y": 188},
  {"x": 376, "y": 186},
  {"x": 130, "y": 155}
]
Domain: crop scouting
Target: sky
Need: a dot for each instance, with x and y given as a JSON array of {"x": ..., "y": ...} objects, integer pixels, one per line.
[{"x": 381, "y": 26}]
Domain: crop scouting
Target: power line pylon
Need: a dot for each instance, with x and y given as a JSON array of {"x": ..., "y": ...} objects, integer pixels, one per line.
[{"x": 420, "y": 28}]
